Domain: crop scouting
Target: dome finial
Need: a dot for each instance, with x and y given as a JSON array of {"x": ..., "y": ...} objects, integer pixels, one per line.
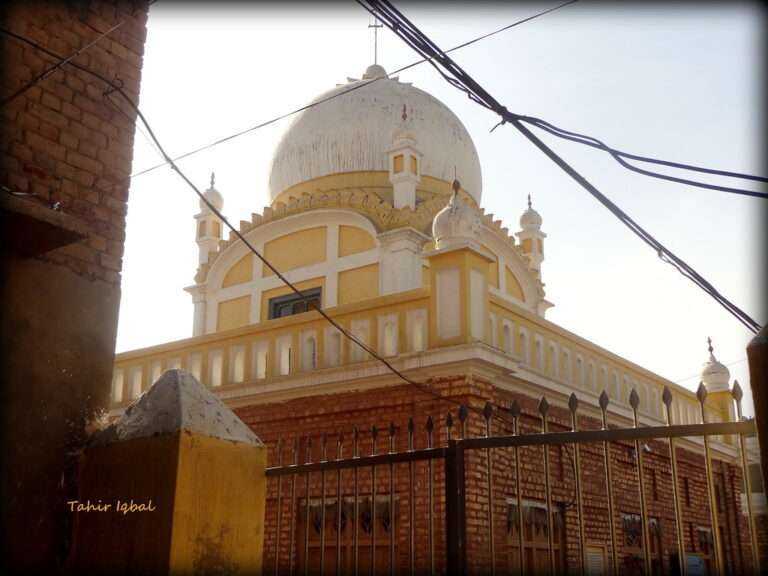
[
  {"x": 529, "y": 201},
  {"x": 709, "y": 343},
  {"x": 213, "y": 180},
  {"x": 405, "y": 114},
  {"x": 375, "y": 27}
]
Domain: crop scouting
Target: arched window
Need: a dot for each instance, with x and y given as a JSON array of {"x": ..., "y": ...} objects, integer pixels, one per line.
[
  {"x": 137, "y": 379},
  {"x": 615, "y": 389},
  {"x": 237, "y": 363},
  {"x": 554, "y": 360},
  {"x": 567, "y": 366},
  {"x": 309, "y": 353},
  {"x": 507, "y": 339},
  {"x": 492, "y": 329},
  {"x": 333, "y": 348},
  {"x": 260, "y": 359},
  {"x": 155, "y": 371},
  {"x": 418, "y": 333},
  {"x": 580, "y": 372},
  {"x": 284, "y": 357},
  {"x": 360, "y": 332},
  {"x": 216, "y": 364},
  {"x": 390, "y": 339},
  {"x": 117, "y": 386},
  {"x": 539, "y": 354},
  {"x": 604, "y": 384},
  {"x": 524, "y": 348}
]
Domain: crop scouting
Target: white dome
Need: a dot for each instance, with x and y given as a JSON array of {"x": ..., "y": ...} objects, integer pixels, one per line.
[
  {"x": 530, "y": 220},
  {"x": 714, "y": 374},
  {"x": 353, "y": 132},
  {"x": 213, "y": 196},
  {"x": 455, "y": 223}
]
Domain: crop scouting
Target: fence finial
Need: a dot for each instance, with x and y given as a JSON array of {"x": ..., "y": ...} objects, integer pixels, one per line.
[
  {"x": 666, "y": 396},
  {"x": 737, "y": 393},
  {"x": 463, "y": 413},
  {"x": 604, "y": 400},
  {"x": 701, "y": 392},
  {"x": 543, "y": 406},
  {"x": 573, "y": 402},
  {"x": 514, "y": 409},
  {"x": 634, "y": 399}
]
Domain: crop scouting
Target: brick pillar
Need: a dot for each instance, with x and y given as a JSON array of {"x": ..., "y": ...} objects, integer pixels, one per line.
[{"x": 175, "y": 486}]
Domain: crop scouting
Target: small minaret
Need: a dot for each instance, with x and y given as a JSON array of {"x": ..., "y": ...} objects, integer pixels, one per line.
[
  {"x": 532, "y": 238},
  {"x": 717, "y": 379},
  {"x": 208, "y": 223},
  {"x": 404, "y": 165}
]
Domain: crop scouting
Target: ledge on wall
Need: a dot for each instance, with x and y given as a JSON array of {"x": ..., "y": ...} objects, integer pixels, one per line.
[{"x": 31, "y": 228}]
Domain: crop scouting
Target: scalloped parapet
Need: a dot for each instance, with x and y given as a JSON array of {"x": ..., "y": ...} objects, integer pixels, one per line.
[{"x": 364, "y": 201}]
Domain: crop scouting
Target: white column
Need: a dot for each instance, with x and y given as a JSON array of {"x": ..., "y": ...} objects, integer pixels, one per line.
[
  {"x": 198, "y": 300},
  {"x": 331, "y": 296}
]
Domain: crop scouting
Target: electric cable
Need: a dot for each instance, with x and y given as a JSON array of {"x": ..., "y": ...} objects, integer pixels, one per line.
[
  {"x": 56, "y": 65},
  {"x": 461, "y": 80},
  {"x": 65, "y": 60},
  {"x": 619, "y": 156}
]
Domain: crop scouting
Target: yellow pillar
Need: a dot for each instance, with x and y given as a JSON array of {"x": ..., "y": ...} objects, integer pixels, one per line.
[
  {"x": 176, "y": 485},
  {"x": 459, "y": 302}
]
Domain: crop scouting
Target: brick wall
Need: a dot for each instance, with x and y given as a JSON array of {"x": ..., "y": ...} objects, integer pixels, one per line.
[
  {"x": 64, "y": 140},
  {"x": 342, "y": 412}
]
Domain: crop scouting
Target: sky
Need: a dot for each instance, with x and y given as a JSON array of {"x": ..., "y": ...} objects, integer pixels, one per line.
[{"x": 679, "y": 82}]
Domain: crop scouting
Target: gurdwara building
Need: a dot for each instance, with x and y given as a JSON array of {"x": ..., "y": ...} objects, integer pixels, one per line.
[{"x": 376, "y": 216}]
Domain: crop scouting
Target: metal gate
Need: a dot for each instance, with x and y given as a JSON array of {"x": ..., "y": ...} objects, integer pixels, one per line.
[{"x": 364, "y": 507}]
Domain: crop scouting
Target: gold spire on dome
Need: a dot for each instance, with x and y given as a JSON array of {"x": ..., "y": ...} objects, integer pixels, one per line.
[
  {"x": 213, "y": 180},
  {"x": 529, "y": 201}
]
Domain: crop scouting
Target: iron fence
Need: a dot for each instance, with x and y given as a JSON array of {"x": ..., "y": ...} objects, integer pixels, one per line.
[{"x": 361, "y": 492}]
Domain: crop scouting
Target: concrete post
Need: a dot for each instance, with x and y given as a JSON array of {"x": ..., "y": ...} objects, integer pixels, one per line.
[
  {"x": 757, "y": 354},
  {"x": 175, "y": 486}
]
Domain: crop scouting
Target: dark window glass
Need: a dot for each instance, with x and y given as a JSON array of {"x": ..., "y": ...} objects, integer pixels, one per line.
[{"x": 290, "y": 304}]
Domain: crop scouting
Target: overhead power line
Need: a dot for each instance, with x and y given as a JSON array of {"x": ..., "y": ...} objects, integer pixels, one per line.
[
  {"x": 56, "y": 65},
  {"x": 620, "y": 156},
  {"x": 461, "y": 80},
  {"x": 341, "y": 93}
]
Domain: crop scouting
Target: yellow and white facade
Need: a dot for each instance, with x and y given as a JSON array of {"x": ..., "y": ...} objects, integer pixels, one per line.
[{"x": 376, "y": 212}]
